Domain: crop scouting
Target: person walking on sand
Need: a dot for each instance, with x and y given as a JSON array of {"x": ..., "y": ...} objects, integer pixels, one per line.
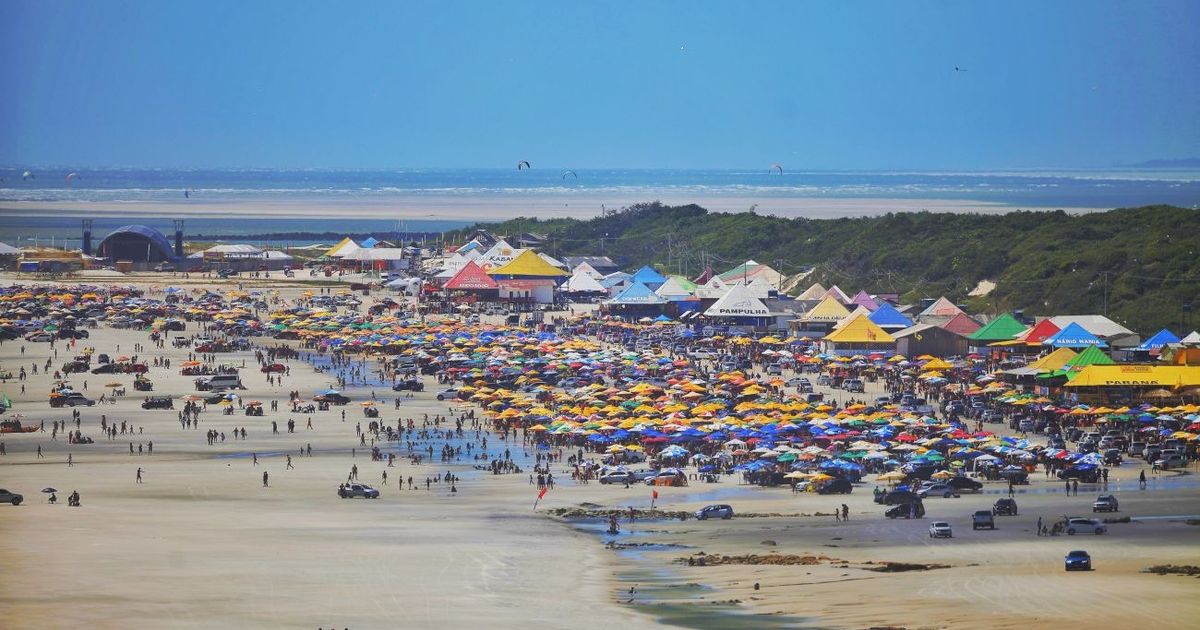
[
  {"x": 70, "y": 460},
  {"x": 837, "y": 515},
  {"x": 845, "y": 512},
  {"x": 139, "y": 475},
  {"x": 1142, "y": 480},
  {"x": 265, "y": 484},
  {"x": 255, "y": 456},
  {"x": 39, "y": 452},
  {"x": 289, "y": 463},
  {"x": 1039, "y": 526}
]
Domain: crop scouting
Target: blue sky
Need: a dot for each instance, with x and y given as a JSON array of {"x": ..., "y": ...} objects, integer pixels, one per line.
[{"x": 837, "y": 85}]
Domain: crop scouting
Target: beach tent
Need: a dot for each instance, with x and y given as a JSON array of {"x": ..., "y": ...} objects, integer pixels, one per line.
[
  {"x": 472, "y": 277},
  {"x": 886, "y": 316},
  {"x": 528, "y": 265},
  {"x": 677, "y": 288},
  {"x": 649, "y": 277},
  {"x": 1191, "y": 339},
  {"x": 711, "y": 290},
  {"x": 815, "y": 292},
  {"x": 371, "y": 241},
  {"x": 866, "y": 301},
  {"x": 345, "y": 246},
  {"x": 1000, "y": 329},
  {"x": 1158, "y": 340},
  {"x": 8, "y": 250},
  {"x": 858, "y": 310},
  {"x": 583, "y": 282},
  {"x": 1093, "y": 355},
  {"x": 501, "y": 253},
  {"x": 860, "y": 330},
  {"x": 941, "y": 307},
  {"x": 961, "y": 324},
  {"x": 472, "y": 246},
  {"x": 1037, "y": 334},
  {"x": 750, "y": 271},
  {"x": 739, "y": 301},
  {"x": 1074, "y": 336},
  {"x": 552, "y": 261},
  {"x": 638, "y": 293},
  {"x": 828, "y": 310},
  {"x": 1054, "y": 361}
]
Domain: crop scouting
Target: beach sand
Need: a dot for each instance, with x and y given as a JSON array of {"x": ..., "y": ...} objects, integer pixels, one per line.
[
  {"x": 501, "y": 207},
  {"x": 202, "y": 544}
]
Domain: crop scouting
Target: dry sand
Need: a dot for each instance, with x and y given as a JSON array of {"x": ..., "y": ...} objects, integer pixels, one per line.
[{"x": 202, "y": 544}]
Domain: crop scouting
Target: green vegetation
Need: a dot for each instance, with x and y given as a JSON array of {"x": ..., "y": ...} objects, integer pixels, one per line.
[{"x": 1043, "y": 262}]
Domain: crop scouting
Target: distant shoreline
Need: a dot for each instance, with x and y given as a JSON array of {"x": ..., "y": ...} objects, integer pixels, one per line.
[{"x": 499, "y": 208}]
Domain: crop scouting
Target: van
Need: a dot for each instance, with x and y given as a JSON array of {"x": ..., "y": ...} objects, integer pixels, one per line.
[{"x": 220, "y": 381}]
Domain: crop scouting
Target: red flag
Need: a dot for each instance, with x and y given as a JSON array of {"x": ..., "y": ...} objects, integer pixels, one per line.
[
  {"x": 542, "y": 494},
  {"x": 655, "y": 495}
]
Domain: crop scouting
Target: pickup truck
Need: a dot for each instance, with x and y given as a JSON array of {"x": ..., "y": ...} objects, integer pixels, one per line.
[{"x": 983, "y": 519}]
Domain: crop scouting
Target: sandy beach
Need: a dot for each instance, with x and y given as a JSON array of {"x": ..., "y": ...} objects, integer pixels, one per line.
[
  {"x": 201, "y": 543},
  {"x": 501, "y": 207}
]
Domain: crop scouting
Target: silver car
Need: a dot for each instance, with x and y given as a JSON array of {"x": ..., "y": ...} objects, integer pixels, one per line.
[{"x": 1085, "y": 526}]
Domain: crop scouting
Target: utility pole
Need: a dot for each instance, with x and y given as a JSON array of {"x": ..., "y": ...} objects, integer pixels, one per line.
[{"x": 1106, "y": 294}]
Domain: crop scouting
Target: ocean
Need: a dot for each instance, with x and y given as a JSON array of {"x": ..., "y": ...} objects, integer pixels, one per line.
[{"x": 1017, "y": 189}]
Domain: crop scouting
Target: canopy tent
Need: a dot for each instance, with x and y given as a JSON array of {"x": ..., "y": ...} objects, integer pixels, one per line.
[
  {"x": 886, "y": 316},
  {"x": 941, "y": 307},
  {"x": 649, "y": 277},
  {"x": 828, "y": 310},
  {"x": 583, "y": 282},
  {"x": 1093, "y": 355},
  {"x": 528, "y": 265},
  {"x": 8, "y": 250},
  {"x": 961, "y": 324},
  {"x": 638, "y": 293},
  {"x": 472, "y": 277},
  {"x": 587, "y": 269},
  {"x": 370, "y": 242},
  {"x": 677, "y": 288},
  {"x": 1158, "y": 340},
  {"x": 812, "y": 293},
  {"x": 1055, "y": 360},
  {"x": 1074, "y": 336},
  {"x": 860, "y": 330},
  {"x": 472, "y": 246},
  {"x": 1098, "y": 325},
  {"x": 739, "y": 301},
  {"x": 552, "y": 261},
  {"x": 1002, "y": 328},
  {"x": 500, "y": 253},
  {"x": 1038, "y": 333},
  {"x": 750, "y": 271},
  {"x": 345, "y": 246},
  {"x": 864, "y": 300}
]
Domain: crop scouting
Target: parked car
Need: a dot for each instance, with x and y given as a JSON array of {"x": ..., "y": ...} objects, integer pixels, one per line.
[
  {"x": 448, "y": 393},
  {"x": 1171, "y": 460},
  {"x": 10, "y": 497},
  {"x": 940, "y": 529},
  {"x": 936, "y": 489},
  {"x": 1105, "y": 503},
  {"x": 158, "y": 402},
  {"x": 897, "y": 497},
  {"x": 915, "y": 509},
  {"x": 73, "y": 334},
  {"x": 351, "y": 490},
  {"x": 408, "y": 385},
  {"x": 1085, "y": 526},
  {"x": 40, "y": 336},
  {"x": 714, "y": 511},
  {"x": 107, "y": 368},
  {"x": 853, "y": 385},
  {"x": 965, "y": 484},
  {"x": 272, "y": 367},
  {"x": 617, "y": 476},
  {"x": 73, "y": 399},
  {"x": 983, "y": 519},
  {"x": 1078, "y": 560},
  {"x": 837, "y": 486},
  {"x": 333, "y": 398},
  {"x": 1005, "y": 507}
]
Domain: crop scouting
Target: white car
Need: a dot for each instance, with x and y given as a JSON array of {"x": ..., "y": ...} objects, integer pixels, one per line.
[
  {"x": 940, "y": 529},
  {"x": 1085, "y": 526},
  {"x": 447, "y": 393}
]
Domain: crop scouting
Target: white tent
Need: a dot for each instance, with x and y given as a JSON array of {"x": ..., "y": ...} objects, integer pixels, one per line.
[
  {"x": 500, "y": 253},
  {"x": 583, "y": 283},
  {"x": 713, "y": 289},
  {"x": 583, "y": 267},
  {"x": 739, "y": 301},
  {"x": 673, "y": 289}
]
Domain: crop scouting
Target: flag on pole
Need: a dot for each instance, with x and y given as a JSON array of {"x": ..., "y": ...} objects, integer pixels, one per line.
[
  {"x": 541, "y": 494},
  {"x": 653, "y": 498}
]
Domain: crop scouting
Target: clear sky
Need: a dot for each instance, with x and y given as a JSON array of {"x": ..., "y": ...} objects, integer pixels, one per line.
[{"x": 832, "y": 85}]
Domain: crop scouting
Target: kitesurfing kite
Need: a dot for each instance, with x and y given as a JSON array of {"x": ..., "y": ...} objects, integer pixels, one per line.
[
  {"x": 571, "y": 173},
  {"x": 27, "y": 175},
  {"x": 523, "y": 164},
  {"x": 775, "y": 167}
]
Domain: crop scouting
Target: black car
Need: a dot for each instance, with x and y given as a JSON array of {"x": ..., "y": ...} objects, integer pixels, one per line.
[
  {"x": 964, "y": 484},
  {"x": 335, "y": 399},
  {"x": 1005, "y": 507},
  {"x": 915, "y": 509},
  {"x": 1078, "y": 561},
  {"x": 158, "y": 402},
  {"x": 73, "y": 334},
  {"x": 1086, "y": 475},
  {"x": 409, "y": 385},
  {"x": 1016, "y": 477},
  {"x": 896, "y": 497},
  {"x": 108, "y": 368},
  {"x": 837, "y": 486}
]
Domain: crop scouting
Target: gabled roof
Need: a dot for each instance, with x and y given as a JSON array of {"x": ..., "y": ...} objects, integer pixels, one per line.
[
  {"x": 1143, "y": 375},
  {"x": 370, "y": 241},
  {"x": 647, "y": 275},
  {"x": 8, "y": 250},
  {"x": 552, "y": 261},
  {"x": 837, "y": 294},
  {"x": 582, "y": 282},
  {"x": 961, "y": 324},
  {"x": 1098, "y": 325},
  {"x": 1074, "y": 336},
  {"x": 860, "y": 330},
  {"x": 1158, "y": 340},
  {"x": 941, "y": 307},
  {"x": 501, "y": 252},
  {"x": 886, "y": 316},
  {"x": 739, "y": 301},
  {"x": 750, "y": 271},
  {"x": 1192, "y": 338},
  {"x": 815, "y": 292},
  {"x": 471, "y": 277},
  {"x": 345, "y": 246},
  {"x": 615, "y": 278},
  {"x": 584, "y": 267},
  {"x": 866, "y": 301},
  {"x": 858, "y": 310},
  {"x": 528, "y": 263},
  {"x": 705, "y": 275},
  {"x": 829, "y": 309},
  {"x": 1002, "y": 328},
  {"x": 473, "y": 246},
  {"x": 638, "y": 293}
]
